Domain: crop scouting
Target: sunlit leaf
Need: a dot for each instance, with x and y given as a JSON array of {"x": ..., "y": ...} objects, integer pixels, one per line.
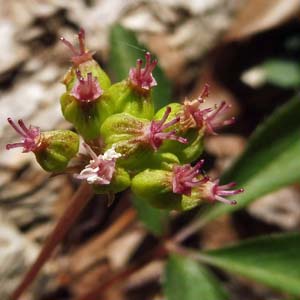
[
  {"x": 188, "y": 280},
  {"x": 273, "y": 260},
  {"x": 284, "y": 73}
]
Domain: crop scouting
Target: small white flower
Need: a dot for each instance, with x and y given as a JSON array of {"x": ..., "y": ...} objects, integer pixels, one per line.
[
  {"x": 111, "y": 154},
  {"x": 101, "y": 168}
]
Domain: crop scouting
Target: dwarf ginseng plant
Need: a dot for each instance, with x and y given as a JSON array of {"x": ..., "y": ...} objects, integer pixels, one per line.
[{"x": 127, "y": 144}]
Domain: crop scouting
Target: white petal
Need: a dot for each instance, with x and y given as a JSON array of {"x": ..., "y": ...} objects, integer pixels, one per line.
[{"x": 111, "y": 154}]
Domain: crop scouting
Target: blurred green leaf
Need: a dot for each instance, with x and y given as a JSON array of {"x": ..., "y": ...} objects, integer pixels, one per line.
[
  {"x": 283, "y": 73},
  {"x": 188, "y": 280},
  {"x": 155, "y": 220},
  {"x": 273, "y": 260},
  {"x": 270, "y": 161},
  {"x": 125, "y": 50}
]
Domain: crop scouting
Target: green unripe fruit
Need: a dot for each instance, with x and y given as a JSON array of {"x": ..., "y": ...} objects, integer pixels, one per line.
[
  {"x": 123, "y": 131},
  {"x": 155, "y": 187},
  {"x": 128, "y": 100},
  {"x": 86, "y": 117},
  {"x": 57, "y": 148}
]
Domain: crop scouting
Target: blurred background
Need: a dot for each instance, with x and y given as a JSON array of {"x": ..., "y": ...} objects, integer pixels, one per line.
[{"x": 248, "y": 51}]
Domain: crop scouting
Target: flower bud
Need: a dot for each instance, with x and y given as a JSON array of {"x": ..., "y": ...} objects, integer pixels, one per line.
[
  {"x": 103, "y": 173},
  {"x": 134, "y": 95},
  {"x": 181, "y": 188},
  {"x": 86, "y": 106},
  {"x": 188, "y": 181},
  {"x": 53, "y": 149},
  {"x": 137, "y": 139},
  {"x": 208, "y": 120},
  {"x": 83, "y": 61},
  {"x": 185, "y": 152},
  {"x": 62, "y": 146},
  {"x": 154, "y": 187}
]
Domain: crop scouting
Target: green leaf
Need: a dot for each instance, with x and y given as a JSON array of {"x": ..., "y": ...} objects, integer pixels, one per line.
[
  {"x": 154, "y": 219},
  {"x": 270, "y": 161},
  {"x": 186, "y": 279},
  {"x": 273, "y": 260},
  {"x": 125, "y": 50},
  {"x": 282, "y": 72}
]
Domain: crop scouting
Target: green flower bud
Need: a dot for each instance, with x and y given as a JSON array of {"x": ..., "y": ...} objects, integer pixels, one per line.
[
  {"x": 128, "y": 100},
  {"x": 53, "y": 149},
  {"x": 60, "y": 147},
  {"x": 195, "y": 137},
  {"x": 154, "y": 186},
  {"x": 86, "y": 106},
  {"x": 136, "y": 139}
]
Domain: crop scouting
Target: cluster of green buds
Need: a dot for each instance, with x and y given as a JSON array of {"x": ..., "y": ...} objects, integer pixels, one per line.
[{"x": 124, "y": 142}]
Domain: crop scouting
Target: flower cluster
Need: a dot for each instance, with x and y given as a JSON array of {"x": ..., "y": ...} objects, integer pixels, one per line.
[{"x": 126, "y": 143}]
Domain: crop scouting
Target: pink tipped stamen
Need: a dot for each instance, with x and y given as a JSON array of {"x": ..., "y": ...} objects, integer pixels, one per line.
[
  {"x": 218, "y": 192},
  {"x": 212, "y": 119},
  {"x": 15, "y": 127},
  {"x": 142, "y": 77},
  {"x": 193, "y": 116},
  {"x": 79, "y": 55},
  {"x": 227, "y": 186},
  {"x": 149, "y": 66},
  {"x": 90, "y": 151},
  {"x": 205, "y": 92},
  {"x": 224, "y": 200},
  {"x": 185, "y": 177},
  {"x": 30, "y": 136},
  {"x": 86, "y": 90},
  {"x": 69, "y": 45},
  {"x": 81, "y": 40},
  {"x": 139, "y": 64},
  {"x": 155, "y": 134}
]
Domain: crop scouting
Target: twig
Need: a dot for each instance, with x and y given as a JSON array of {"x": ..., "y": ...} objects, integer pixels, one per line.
[
  {"x": 78, "y": 202},
  {"x": 188, "y": 230},
  {"x": 83, "y": 261},
  {"x": 95, "y": 294},
  {"x": 195, "y": 255}
]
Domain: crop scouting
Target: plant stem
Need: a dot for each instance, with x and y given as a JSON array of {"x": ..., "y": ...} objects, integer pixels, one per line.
[
  {"x": 188, "y": 230},
  {"x": 95, "y": 294},
  {"x": 78, "y": 202}
]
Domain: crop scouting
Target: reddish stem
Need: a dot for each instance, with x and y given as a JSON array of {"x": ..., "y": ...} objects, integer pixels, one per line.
[{"x": 78, "y": 202}]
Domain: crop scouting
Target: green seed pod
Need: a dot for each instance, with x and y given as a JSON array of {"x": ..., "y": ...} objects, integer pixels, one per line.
[
  {"x": 87, "y": 106},
  {"x": 154, "y": 186},
  {"x": 128, "y": 99},
  {"x": 137, "y": 140},
  {"x": 120, "y": 182},
  {"x": 57, "y": 148},
  {"x": 125, "y": 133}
]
